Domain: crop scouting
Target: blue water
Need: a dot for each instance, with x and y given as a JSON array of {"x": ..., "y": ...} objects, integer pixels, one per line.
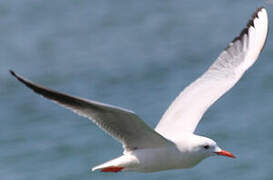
[{"x": 135, "y": 54}]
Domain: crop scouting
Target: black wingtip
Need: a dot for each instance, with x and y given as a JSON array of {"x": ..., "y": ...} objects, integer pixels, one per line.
[
  {"x": 249, "y": 23},
  {"x": 260, "y": 8},
  {"x": 12, "y": 72},
  {"x": 254, "y": 16},
  {"x": 15, "y": 75}
]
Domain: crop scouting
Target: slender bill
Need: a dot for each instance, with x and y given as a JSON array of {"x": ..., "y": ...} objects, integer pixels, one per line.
[{"x": 225, "y": 153}]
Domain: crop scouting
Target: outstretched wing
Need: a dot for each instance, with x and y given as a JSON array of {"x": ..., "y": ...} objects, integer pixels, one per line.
[
  {"x": 188, "y": 108},
  {"x": 122, "y": 124}
]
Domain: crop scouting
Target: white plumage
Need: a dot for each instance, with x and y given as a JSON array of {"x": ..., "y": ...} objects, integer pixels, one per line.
[
  {"x": 186, "y": 111},
  {"x": 172, "y": 145}
]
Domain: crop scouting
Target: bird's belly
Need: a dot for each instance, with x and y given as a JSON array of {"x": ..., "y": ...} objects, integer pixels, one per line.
[{"x": 151, "y": 160}]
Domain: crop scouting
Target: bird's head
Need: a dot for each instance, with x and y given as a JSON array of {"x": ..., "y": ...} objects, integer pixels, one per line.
[
  {"x": 208, "y": 147},
  {"x": 196, "y": 148}
]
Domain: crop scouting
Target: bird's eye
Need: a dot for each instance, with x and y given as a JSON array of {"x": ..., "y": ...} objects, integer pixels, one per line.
[{"x": 206, "y": 146}]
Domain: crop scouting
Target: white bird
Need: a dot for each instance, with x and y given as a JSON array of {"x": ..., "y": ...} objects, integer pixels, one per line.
[{"x": 172, "y": 144}]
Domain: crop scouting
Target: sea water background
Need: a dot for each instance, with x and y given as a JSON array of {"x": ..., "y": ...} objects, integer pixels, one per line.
[{"x": 135, "y": 54}]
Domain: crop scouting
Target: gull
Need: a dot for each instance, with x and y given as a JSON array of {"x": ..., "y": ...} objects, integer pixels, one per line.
[{"x": 172, "y": 144}]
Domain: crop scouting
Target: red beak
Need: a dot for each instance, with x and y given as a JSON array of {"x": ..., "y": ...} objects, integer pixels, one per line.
[{"x": 225, "y": 153}]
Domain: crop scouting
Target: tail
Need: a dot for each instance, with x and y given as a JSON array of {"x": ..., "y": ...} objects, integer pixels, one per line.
[{"x": 116, "y": 165}]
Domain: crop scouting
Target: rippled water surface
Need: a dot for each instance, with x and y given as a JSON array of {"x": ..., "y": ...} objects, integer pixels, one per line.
[{"x": 135, "y": 54}]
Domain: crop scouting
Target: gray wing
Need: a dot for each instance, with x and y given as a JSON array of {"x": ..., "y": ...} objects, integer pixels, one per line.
[
  {"x": 122, "y": 124},
  {"x": 188, "y": 108}
]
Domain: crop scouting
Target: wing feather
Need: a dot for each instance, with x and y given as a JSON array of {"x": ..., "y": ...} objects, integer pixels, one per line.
[
  {"x": 122, "y": 124},
  {"x": 188, "y": 108}
]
